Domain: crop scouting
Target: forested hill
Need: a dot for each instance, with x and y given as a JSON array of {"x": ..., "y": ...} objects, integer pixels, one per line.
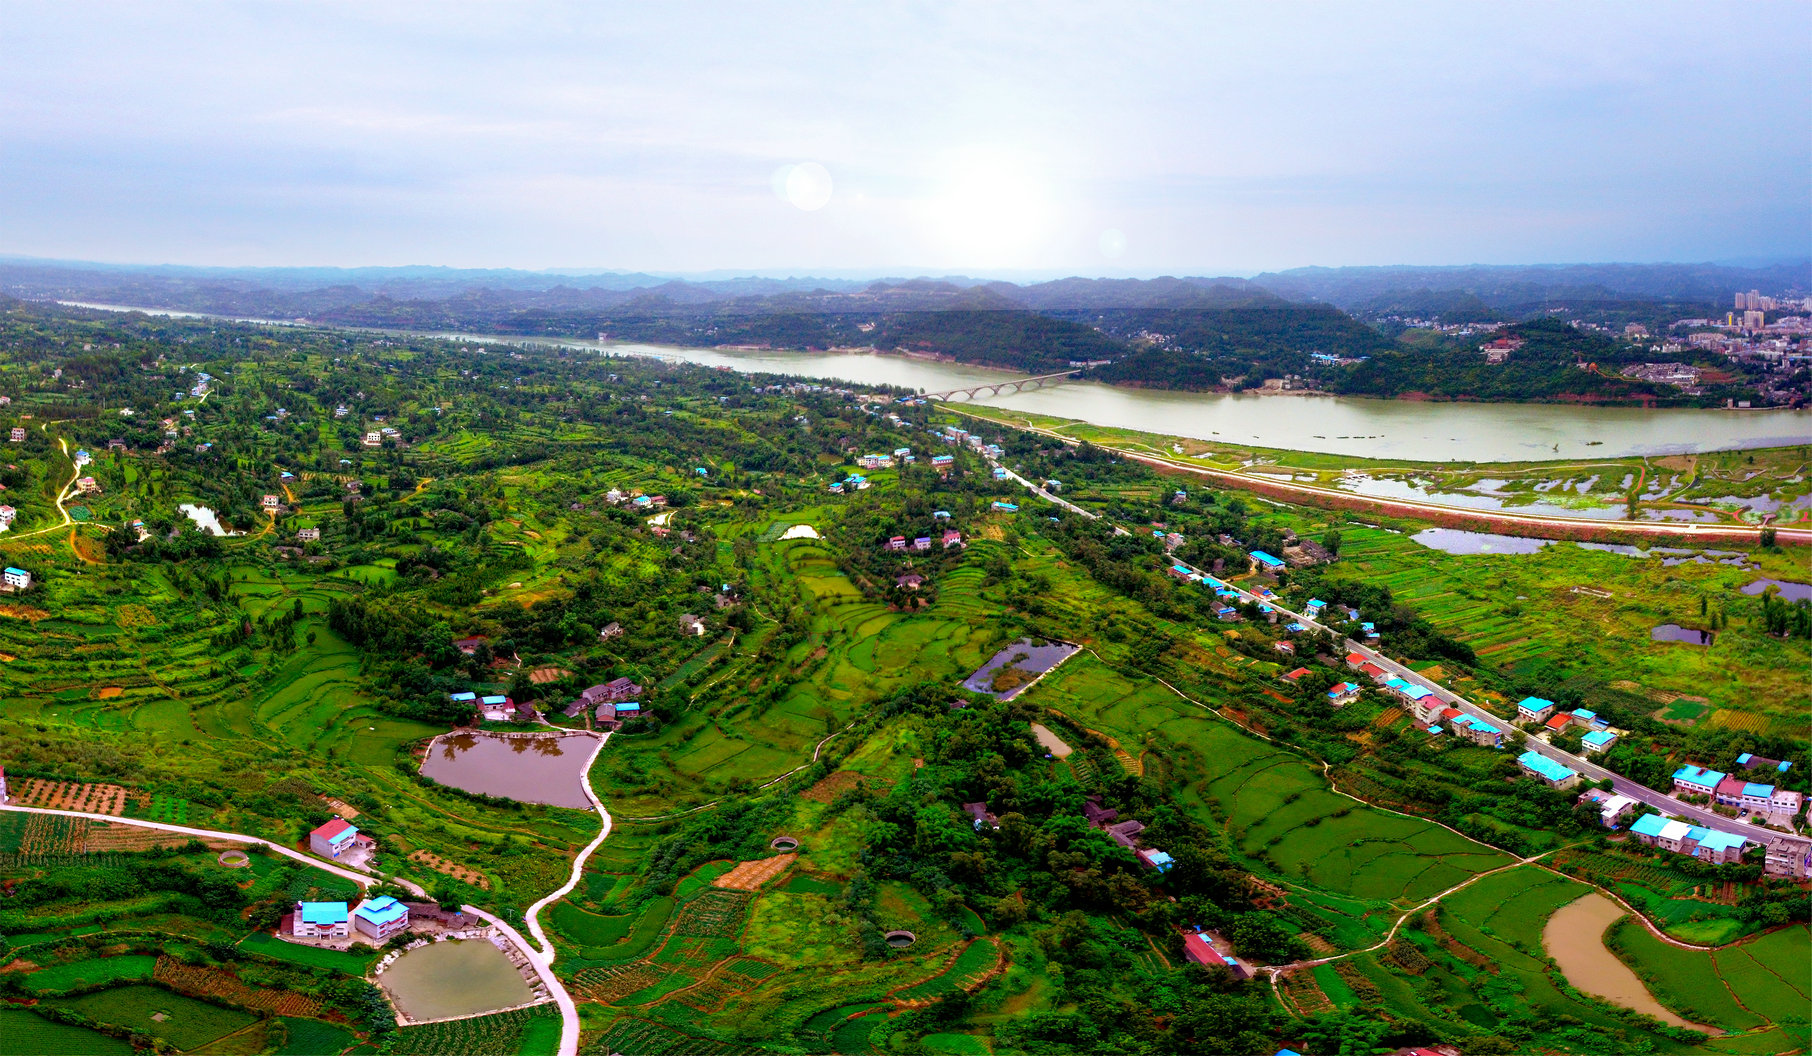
[{"x": 1189, "y": 333}]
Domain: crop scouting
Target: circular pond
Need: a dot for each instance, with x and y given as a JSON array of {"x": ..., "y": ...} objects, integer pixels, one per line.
[
  {"x": 234, "y": 859},
  {"x": 784, "y": 843},
  {"x": 899, "y": 940},
  {"x": 454, "y": 978}
]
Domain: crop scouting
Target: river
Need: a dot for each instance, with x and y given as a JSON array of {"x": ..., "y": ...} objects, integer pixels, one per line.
[
  {"x": 1366, "y": 428},
  {"x": 1574, "y": 937}
]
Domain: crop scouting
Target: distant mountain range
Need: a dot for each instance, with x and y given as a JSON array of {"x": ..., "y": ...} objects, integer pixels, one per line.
[{"x": 1191, "y": 332}]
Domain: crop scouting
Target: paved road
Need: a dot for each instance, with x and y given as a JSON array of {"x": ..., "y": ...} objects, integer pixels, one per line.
[
  {"x": 1514, "y": 523},
  {"x": 569, "y": 1012},
  {"x": 1039, "y": 491},
  {"x": 1582, "y": 765}
]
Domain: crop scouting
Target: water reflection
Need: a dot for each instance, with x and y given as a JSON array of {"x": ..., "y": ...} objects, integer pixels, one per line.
[{"x": 531, "y": 768}]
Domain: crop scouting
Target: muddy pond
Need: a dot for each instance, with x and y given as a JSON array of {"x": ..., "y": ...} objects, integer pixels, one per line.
[
  {"x": 530, "y": 767},
  {"x": 1673, "y": 632},
  {"x": 1574, "y": 937},
  {"x": 454, "y": 978},
  {"x": 1009, "y": 672}
]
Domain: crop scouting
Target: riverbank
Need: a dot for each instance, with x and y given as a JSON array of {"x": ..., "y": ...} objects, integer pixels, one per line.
[{"x": 1371, "y": 429}]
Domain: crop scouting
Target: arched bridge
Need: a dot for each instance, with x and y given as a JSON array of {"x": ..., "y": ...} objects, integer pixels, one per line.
[{"x": 996, "y": 388}]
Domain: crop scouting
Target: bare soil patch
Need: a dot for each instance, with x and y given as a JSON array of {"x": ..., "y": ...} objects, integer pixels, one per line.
[
  {"x": 72, "y": 795},
  {"x": 829, "y": 788},
  {"x": 541, "y": 676},
  {"x": 749, "y": 876},
  {"x": 452, "y": 869},
  {"x": 107, "y": 692}
]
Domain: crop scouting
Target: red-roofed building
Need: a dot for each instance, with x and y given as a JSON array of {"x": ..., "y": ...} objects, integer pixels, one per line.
[
  {"x": 1560, "y": 721},
  {"x": 1375, "y": 673},
  {"x": 339, "y": 839},
  {"x": 1294, "y": 676}
]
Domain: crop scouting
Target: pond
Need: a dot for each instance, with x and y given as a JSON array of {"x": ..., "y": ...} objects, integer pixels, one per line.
[
  {"x": 1789, "y": 590},
  {"x": 1574, "y": 937},
  {"x": 1673, "y": 632},
  {"x": 206, "y": 519},
  {"x": 1012, "y": 670},
  {"x": 454, "y": 978},
  {"x": 533, "y": 768},
  {"x": 1455, "y": 541}
]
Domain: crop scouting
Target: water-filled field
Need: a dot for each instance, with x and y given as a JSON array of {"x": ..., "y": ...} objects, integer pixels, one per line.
[
  {"x": 454, "y": 978},
  {"x": 539, "y": 768}
]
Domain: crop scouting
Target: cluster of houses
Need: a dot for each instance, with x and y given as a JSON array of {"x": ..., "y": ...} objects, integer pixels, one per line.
[
  {"x": 951, "y": 537},
  {"x": 637, "y": 499},
  {"x": 492, "y": 707},
  {"x": 376, "y": 918},
  {"x": 1598, "y": 736},
  {"x": 903, "y": 455},
  {"x": 1126, "y": 834},
  {"x": 853, "y": 482},
  {"x": 611, "y": 703},
  {"x": 1707, "y": 845},
  {"x": 1212, "y": 951},
  {"x": 1729, "y": 790}
]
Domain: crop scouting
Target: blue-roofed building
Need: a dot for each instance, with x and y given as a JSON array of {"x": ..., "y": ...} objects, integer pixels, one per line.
[
  {"x": 1315, "y": 606},
  {"x": 1716, "y": 846},
  {"x": 1534, "y": 709},
  {"x": 320, "y": 920},
  {"x": 1597, "y": 741},
  {"x": 1266, "y": 561},
  {"x": 1155, "y": 859},
  {"x": 1697, "y": 780},
  {"x": 463, "y": 698},
  {"x": 632, "y": 708},
  {"x": 1409, "y": 691},
  {"x": 381, "y": 917},
  {"x": 1343, "y": 694},
  {"x": 1009, "y": 507},
  {"x": 1478, "y": 731},
  {"x": 16, "y": 578},
  {"x": 1547, "y": 770},
  {"x": 1709, "y": 845},
  {"x": 1435, "y": 731}
]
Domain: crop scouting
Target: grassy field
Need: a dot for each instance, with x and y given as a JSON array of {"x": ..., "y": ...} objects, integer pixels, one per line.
[
  {"x": 182, "y": 1021},
  {"x": 24, "y": 1033},
  {"x": 1683, "y": 980}
]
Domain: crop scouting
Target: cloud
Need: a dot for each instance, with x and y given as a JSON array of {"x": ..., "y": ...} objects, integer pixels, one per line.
[{"x": 1212, "y": 138}]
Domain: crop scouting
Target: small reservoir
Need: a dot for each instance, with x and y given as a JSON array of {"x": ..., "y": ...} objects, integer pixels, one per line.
[
  {"x": 529, "y": 767},
  {"x": 454, "y": 978},
  {"x": 1574, "y": 937}
]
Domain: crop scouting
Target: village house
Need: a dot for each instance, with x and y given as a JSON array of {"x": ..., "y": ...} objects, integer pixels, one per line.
[
  {"x": 1343, "y": 694},
  {"x": 909, "y": 581},
  {"x": 691, "y": 624},
  {"x": 1408, "y": 691},
  {"x": 320, "y": 920},
  {"x": 339, "y": 839},
  {"x": 1262, "y": 561},
  {"x": 15, "y": 579},
  {"x": 1006, "y": 507},
  {"x": 1787, "y": 856},
  {"x": 1476, "y": 730},
  {"x": 983, "y": 817},
  {"x": 1210, "y": 950},
  {"x": 1533, "y": 709},
  {"x": 1293, "y": 677},
  {"x": 617, "y": 689},
  {"x": 271, "y": 502},
  {"x": 88, "y": 486},
  {"x": 381, "y": 917},
  {"x": 923, "y": 542},
  {"x": 898, "y": 542},
  {"x": 609, "y": 631},
  {"x": 1709, "y": 845},
  {"x": 308, "y": 535},
  {"x": 7, "y": 513},
  {"x": 1611, "y": 807},
  {"x": 469, "y": 646},
  {"x": 496, "y": 708},
  {"x": 1546, "y": 770},
  {"x": 1744, "y": 795},
  {"x": 1359, "y": 663},
  {"x": 952, "y": 537},
  {"x": 1697, "y": 781},
  {"x": 1284, "y": 647},
  {"x": 18, "y": 435},
  {"x": 373, "y": 439},
  {"x": 1597, "y": 741},
  {"x": 1757, "y": 762}
]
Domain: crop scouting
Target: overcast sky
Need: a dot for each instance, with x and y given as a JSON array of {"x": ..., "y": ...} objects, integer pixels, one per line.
[{"x": 970, "y": 137}]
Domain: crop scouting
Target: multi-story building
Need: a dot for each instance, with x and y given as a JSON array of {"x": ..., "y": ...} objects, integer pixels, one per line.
[
  {"x": 381, "y": 917},
  {"x": 321, "y": 920},
  {"x": 1696, "y": 780},
  {"x": 1548, "y": 771}
]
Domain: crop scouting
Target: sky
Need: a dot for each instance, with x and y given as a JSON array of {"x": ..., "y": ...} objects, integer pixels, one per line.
[{"x": 983, "y": 138}]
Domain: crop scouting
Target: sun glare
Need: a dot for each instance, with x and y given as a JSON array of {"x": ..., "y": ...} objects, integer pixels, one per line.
[{"x": 992, "y": 208}]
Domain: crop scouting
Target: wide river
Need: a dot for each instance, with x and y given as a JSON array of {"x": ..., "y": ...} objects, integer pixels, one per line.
[{"x": 1446, "y": 432}]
